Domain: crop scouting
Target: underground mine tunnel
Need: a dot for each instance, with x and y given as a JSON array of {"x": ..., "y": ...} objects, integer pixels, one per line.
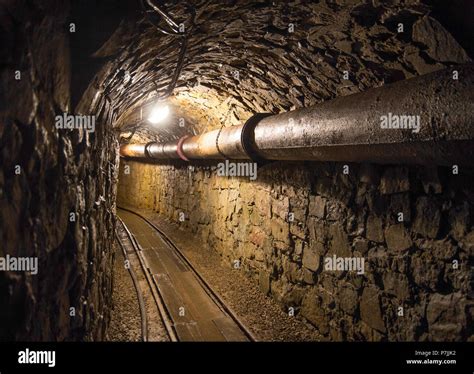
[{"x": 236, "y": 170}]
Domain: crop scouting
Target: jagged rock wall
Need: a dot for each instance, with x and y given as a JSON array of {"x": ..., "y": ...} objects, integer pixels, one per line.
[
  {"x": 261, "y": 56},
  {"x": 47, "y": 174},
  {"x": 409, "y": 264}
]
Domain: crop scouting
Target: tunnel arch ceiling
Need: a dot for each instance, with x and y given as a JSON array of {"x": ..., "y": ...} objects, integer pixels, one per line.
[{"x": 246, "y": 57}]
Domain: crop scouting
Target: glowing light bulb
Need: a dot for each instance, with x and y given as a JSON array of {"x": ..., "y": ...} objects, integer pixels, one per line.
[{"x": 158, "y": 114}]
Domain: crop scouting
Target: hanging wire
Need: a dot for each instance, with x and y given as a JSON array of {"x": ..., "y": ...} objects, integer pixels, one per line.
[
  {"x": 169, "y": 20},
  {"x": 173, "y": 29}
]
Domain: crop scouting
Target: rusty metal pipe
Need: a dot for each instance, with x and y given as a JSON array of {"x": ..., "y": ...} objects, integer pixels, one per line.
[
  {"x": 133, "y": 150},
  {"x": 353, "y": 128}
]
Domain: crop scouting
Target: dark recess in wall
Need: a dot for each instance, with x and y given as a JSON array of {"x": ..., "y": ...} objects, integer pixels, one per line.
[
  {"x": 457, "y": 16},
  {"x": 95, "y": 22}
]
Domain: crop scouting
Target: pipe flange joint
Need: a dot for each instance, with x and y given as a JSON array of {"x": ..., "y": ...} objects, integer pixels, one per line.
[
  {"x": 217, "y": 144},
  {"x": 247, "y": 137},
  {"x": 179, "y": 148},
  {"x": 147, "y": 149}
]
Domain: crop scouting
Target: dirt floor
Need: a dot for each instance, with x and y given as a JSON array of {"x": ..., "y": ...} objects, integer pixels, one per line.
[
  {"x": 125, "y": 323},
  {"x": 261, "y": 314}
]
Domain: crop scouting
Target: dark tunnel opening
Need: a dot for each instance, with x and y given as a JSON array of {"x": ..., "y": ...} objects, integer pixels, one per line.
[{"x": 236, "y": 171}]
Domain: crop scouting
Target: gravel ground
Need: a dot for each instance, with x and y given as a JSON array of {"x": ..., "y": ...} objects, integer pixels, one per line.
[
  {"x": 261, "y": 314},
  {"x": 125, "y": 323}
]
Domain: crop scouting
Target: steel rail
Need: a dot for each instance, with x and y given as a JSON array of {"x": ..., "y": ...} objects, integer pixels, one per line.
[
  {"x": 141, "y": 302},
  {"x": 206, "y": 286},
  {"x": 156, "y": 295}
]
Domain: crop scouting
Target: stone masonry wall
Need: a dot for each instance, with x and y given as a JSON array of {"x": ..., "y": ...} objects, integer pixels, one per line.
[
  {"x": 249, "y": 56},
  {"x": 46, "y": 175},
  {"x": 409, "y": 264}
]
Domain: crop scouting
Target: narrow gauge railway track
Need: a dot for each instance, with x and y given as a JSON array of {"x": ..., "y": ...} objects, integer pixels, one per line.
[
  {"x": 144, "y": 288},
  {"x": 189, "y": 307},
  {"x": 136, "y": 285}
]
